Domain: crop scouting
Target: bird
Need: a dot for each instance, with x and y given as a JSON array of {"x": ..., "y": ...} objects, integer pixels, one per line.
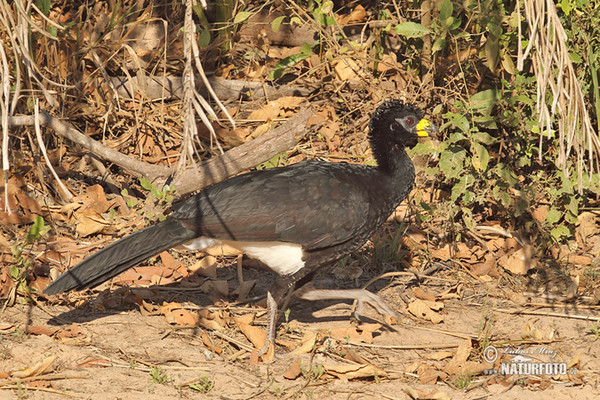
[{"x": 295, "y": 219}]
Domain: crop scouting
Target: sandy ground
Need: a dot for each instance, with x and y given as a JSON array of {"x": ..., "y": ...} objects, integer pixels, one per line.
[{"x": 108, "y": 354}]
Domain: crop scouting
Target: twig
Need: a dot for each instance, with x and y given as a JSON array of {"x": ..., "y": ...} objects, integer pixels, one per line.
[
  {"x": 548, "y": 314},
  {"x": 15, "y": 387},
  {"x": 398, "y": 347},
  {"x": 51, "y": 377}
]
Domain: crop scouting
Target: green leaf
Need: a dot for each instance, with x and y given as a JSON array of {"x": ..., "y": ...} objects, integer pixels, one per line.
[
  {"x": 480, "y": 158},
  {"x": 204, "y": 38},
  {"x": 439, "y": 44},
  {"x": 241, "y": 17},
  {"x": 156, "y": 193},
  {"x": 146, "y": 184},
  {"x": 560, "y": 232},
  {"x": 459, "y": 121},
  {"x": 411, "y": 29},
  {"x": 277, "y": 22},
  {"x": 461, "y": 187},
  {"x": 484, "y": 99},
  {"x": 37, "y": 230},
  {"x": 446, "y": 9},
  {"x": 284, "y": 65},
  {"x": 492, "y": 53},
  {"x": 553, "y": 216},
  {"x": 484, "y": 138},
  {"x": 452, "y": 161},
  {"x": 14, "y": 272},
  {"x": 44, "y": 6}
]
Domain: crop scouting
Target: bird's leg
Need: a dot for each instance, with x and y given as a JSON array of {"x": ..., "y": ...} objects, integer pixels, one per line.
[
  {"x": 271, "y": 322},
  {"x": 281, "y": 286},
  {"x": 362, "y": 296}
]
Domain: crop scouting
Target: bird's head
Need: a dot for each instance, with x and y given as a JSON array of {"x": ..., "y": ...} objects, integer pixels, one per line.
[{"x": 397, "y": 123}]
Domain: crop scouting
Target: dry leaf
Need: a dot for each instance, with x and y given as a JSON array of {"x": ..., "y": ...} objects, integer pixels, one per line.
[
  {"x": 357, "y": 15},
  {"x": 518, "y": 262},
  {"x": 293, "y": 371},
  {"x": 209, "y": 344},
  {"x": 421, "y": 294},
  {"x": 175, "y": 314},
  {"x": 532, "y": 332},
  {"x": 6, "y": 327},
  {"x": 244, "y": 289},
  {"x": 420, "y": 309},
  {"x": 257, "y": 336},
  {"x": 206, "y": 267},
  {"x": 245, "y": 319},
  {"x": 42, "y": 330},
  {"x": 353, "y": 371},
  {"x": 347, "y": 69},
  {"x": 38, "y": 368},
  {"x": 439, "y": 355},
  {"x": 575, "y": 361},
  {"x": 308, "y": 343},
  {"x": 362, "y": 333},
  {"x": 572, "y": 288},
  {"x": 432, "y": 376},
  {"x": 211, "y": 320}
]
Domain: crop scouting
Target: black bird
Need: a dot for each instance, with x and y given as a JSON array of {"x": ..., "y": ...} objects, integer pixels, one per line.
[{"x": 295, "y": 219}]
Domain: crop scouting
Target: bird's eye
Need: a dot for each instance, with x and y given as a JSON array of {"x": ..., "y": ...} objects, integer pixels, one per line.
[{"x": 410, "y": 121}]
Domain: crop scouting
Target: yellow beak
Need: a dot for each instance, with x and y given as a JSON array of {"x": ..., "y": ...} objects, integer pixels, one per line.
[{"x": 424, "y": 128}]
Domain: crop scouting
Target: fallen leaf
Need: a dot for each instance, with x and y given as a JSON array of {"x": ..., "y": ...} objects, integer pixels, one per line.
[
  {"x": 432, "y": 376},
  {"x": 293, "y": 371},
  {"x": 206, "y": 267},
  {"x": 421, "y": 294},
  {"x": 257, "y": 336},
  {"x": 357, "y": 15},
  {"x": 353, "y": 371},
  {"x": 439, "y": 355},
  {"x": 532, "y": 332},
  {"x": 519, "y": 262},
  {"x": 362, "y": 333},
  {"x": 38, "y": 368},
  {"x": 209, "y": 343},
  {"x": 308, "y": 343},
  {"x": 244, "y": 289},
  {"x": 175, "y": 314},
  {"x": 42, "y": 330},
  {"x": 421, "y": 309}
]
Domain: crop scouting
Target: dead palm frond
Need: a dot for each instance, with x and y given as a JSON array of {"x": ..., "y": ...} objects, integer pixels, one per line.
[{"x": 565, "y": 102}]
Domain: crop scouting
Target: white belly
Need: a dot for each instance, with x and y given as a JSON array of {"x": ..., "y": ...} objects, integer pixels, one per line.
[{"x": 283, "y": 258}]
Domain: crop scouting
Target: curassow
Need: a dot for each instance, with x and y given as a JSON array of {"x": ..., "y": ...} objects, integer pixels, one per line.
[{"x": 295, "y": 219}]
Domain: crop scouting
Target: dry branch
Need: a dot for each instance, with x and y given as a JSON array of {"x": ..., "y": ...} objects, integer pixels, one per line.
[
  {"x": 191, "y": 179},
  {"x": 167, "y": 87}
]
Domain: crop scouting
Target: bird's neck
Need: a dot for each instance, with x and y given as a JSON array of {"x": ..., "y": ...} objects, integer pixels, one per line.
[{"x": 396, "y": 172}]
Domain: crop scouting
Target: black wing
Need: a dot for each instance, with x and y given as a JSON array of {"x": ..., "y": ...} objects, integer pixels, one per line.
[{"x": 314, "y": 204}]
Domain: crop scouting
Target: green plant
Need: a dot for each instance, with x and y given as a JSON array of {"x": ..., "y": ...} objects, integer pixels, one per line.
[
  {"x": 158, "y": 375},
  {"x": 595, "y": 330},
  {"x": 20, "y": 269},
  {"x": 276, "y": 389},
  {"x": 463, "y": 381},
  {"x": 313, "y": 372},
  {"x": 159, "y": 198},
  {"x": 204, "y": 384}
]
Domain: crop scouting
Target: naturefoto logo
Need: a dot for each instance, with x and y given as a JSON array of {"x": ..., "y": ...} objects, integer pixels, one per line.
[{"x": 526, "y": 361}]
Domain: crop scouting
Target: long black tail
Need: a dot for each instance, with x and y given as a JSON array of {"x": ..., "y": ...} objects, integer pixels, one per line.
[{"x": 122, "y": 255}]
